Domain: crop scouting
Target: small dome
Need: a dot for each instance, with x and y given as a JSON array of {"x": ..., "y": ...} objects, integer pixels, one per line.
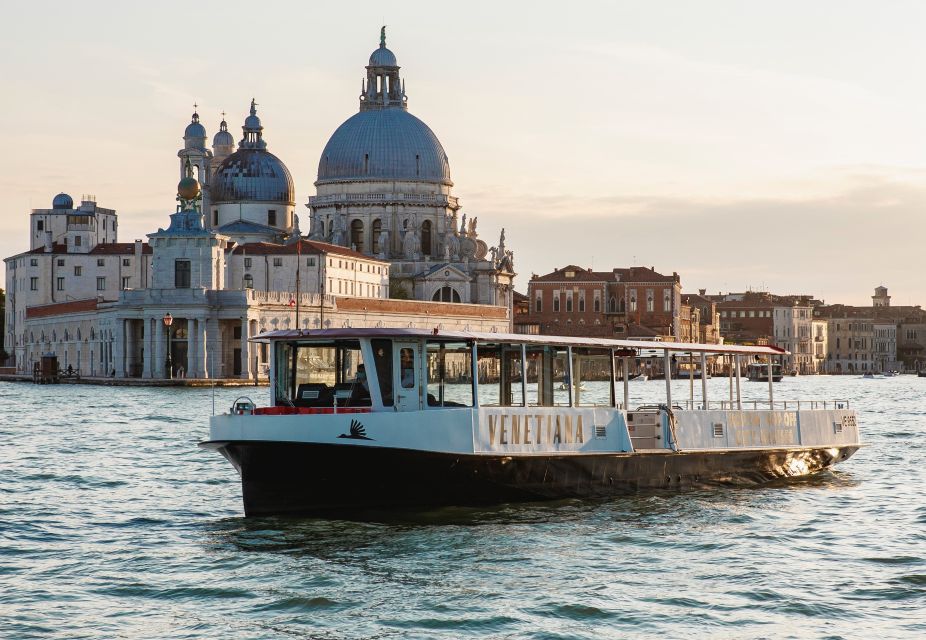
[
  {"x": 383, "y": 57},
  {"x": 194, "y": 129},
  {"x": 62, "y": 201},
  {"x": 223, "y": 138},
  {"x": 252, "y": 175}
]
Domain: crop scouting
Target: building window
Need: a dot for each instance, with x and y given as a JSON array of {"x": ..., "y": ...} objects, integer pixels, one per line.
[
  {"x": 78, "y": 270},
  {"x": 667, "y": 301},
  {"x": 60, "y": 284},
  {"x": 33, "y": 262},
  {"x": 101, "y": 284},
  {"x": 182, "y": 274},
  {"x": 650, "y": 303},
  {"x": 278, "y": 262},
  {"x": 33, "y": 284},
  {"x": 215, "y": 217},
  {"x": 538, "y": 303},
  {"x": 569, "y": 302},
  {"x": 426, "y": 237},
  {"x": 310, "y": 262},
  {"x": 581, "y": 302},
  {"x": 556, "y": 302},
  {"x": 597, "y": 302},
  {"x": 248, "y": 281},
  {"x": 40, "y": 225},
  {"x": 272, "y": 217},
  {"x": 126, "y": 262},
  {"x": 100, "y": 262},
  {"x": 60, "y": 262},
  {"x": 77, "y": 241},
  {"x": 356, "y": 235},
  {"x": 247, "y": 263},
  {"x": 446, "y": 294},
  {"x": 125, "y": 282}
]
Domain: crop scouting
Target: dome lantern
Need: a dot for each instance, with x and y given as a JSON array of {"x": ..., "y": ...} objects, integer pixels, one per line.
[{"x": 383, "y": 87}]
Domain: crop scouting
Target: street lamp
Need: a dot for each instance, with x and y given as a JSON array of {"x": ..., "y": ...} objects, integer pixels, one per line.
[{"x": 168, "y": 320}]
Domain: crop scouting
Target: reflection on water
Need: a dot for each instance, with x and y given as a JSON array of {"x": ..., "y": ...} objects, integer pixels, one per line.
[{"x": 114, "y": 524}]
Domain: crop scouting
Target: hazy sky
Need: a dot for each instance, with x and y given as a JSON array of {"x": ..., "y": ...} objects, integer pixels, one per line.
[{"x": 742, "y": 144}]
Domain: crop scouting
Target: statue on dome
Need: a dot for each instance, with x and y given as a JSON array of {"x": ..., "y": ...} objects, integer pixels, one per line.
[
  {"x": 501, "y": 243},
  {"x": 316, "y": 227},
  {"x": 384, "y": 248},
  {"x": 339, "y": 235},
  {"x": 411, "y": 243},
  {"x": 471, "y": 229},
  {"x": 463, "y": 226},
  {"x": 451, "y": 244}
]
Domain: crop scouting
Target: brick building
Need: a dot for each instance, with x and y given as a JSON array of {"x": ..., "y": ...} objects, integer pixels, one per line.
[{"x": 635, "y": 302}]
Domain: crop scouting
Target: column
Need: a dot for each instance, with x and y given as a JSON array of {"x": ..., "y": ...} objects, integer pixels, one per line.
[
  {"x": 158, "y": 365},
  {"x": 192, "y": 345},
  {"x": 213, "y": 345},
  {"x": 148, "y": 344},
  {"x": 245, "y": 349},
  {"x": 119, "y": 350},
  {"x": 200, "y": 363}
]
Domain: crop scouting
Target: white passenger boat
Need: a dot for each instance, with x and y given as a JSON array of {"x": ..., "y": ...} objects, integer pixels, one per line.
[{"x": 377, "y": 418}]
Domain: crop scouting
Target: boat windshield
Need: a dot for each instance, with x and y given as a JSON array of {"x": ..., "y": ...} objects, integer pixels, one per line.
[{"x": 321, "y": 374}]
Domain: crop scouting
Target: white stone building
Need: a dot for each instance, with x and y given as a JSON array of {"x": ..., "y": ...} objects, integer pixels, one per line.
[
  {"x": 233, "y": 263},
  {"x": 793, "y": 328}
]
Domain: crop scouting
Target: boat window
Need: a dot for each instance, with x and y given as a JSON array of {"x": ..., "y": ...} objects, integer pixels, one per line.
[
  {"x": 591, "y": 371},
  {"x": 450, "y": 374},
  {"x": 382, "y": 360},
  {"x": 547, "y": 369},
  {"x": 499, "y": 369},
  {"x": 322, "y": 374}
]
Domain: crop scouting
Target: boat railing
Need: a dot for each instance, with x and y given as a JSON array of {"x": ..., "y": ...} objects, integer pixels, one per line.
[{"x": 764, "y": 405}]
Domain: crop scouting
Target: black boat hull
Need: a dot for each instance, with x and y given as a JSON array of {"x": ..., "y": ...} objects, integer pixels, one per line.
[{"x": 295, "y": 478}]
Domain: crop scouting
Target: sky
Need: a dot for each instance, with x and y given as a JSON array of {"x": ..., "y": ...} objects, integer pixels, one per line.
[{"x": 745, "y": 145}]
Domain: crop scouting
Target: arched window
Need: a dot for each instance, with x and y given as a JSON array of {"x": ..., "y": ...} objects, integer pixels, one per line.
[
  {"x": 375, "y": 229},
  {"x": 446, "y": 294},
  {"x": 426, "y": 238},
  {"x": 356, "y": 235},
  {"x": 612, "y": 305},
  {"x": 248, "y": 281}
]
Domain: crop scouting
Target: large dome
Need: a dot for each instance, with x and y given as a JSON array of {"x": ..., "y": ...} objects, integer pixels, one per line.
[
  {"x": 252, "y": 175},
  {"x": 384, "y": 144}
]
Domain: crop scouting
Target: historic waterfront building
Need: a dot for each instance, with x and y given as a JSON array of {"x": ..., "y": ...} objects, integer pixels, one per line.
[
  {"x": 635, "y": 302},
  {"x": 232, "y": 261},
  {"x": 384, "y": 190}
]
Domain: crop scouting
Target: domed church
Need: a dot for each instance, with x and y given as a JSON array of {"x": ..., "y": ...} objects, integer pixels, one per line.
[
  {"x": 248, "y": 193},
  {"x": 384, "y": 190}
]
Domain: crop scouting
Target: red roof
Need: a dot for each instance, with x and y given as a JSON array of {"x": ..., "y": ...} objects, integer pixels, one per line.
[
  {"x": 309, "y": 247},
  {"x": 60, "y": 308},
  {"x": 106, "y": 249}
]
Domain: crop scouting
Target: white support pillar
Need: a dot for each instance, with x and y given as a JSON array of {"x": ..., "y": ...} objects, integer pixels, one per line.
[
  {"x": 771, "y": 391},
  {"x": 739, "y": 397},
  {"x": 245, "y": 349},
  {"x": 626, "y": 366},
  {"x": 667, "y": 365},
  {"x": 704, "y": 380},
  {"x": 691, "y": 380},
  {"x": 730, "y": 376}
]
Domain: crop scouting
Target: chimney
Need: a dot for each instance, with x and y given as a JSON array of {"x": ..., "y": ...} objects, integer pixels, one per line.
[
  {"x": 702, "y": 292},
  {"x": 138, "y": 244},
  {"x": 48, "y": 242}
]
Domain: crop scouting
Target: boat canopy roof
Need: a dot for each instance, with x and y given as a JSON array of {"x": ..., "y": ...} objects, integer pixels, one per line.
[{"x": 519, "y": 338}]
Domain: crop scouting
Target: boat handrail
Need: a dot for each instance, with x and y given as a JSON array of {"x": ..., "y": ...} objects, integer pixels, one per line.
[{"x": 764, "y": 405}]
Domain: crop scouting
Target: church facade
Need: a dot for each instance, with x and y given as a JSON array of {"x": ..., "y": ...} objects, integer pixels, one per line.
[{"x": 233, "y": 262}]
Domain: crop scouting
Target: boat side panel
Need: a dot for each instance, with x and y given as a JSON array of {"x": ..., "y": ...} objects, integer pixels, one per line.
[
  {"x": 750, "y": 429},
  {"x": 449, "y": 430},
  {"x": 530, "y": 430},
  {"x": 279, "y": 478}
]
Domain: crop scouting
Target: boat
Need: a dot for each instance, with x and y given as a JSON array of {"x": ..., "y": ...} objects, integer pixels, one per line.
[
  {"x": 758, "y": 372},
  {"x": 921, "y": 374},
  {"x": 868, "y": 376},
  {"x": 367, "y": 419},
  {"x": 640, "y": 377}
]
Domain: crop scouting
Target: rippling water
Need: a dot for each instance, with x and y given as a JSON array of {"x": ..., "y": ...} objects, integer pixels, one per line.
[{"x": 114, "y": 524}]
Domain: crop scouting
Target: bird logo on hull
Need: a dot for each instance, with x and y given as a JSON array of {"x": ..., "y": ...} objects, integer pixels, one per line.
[{"x": 357, "y": 431}]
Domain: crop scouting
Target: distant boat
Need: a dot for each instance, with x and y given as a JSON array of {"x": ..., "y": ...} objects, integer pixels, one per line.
[
  {"x": 642, "y": 377},
  {"x": 869, "y": 376},
  {"x": 921, "y": 374},
  {"x": 758, "y": 372}
]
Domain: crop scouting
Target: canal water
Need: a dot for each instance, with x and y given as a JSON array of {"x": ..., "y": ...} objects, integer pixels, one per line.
[{"x": 114, "y": 524}]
